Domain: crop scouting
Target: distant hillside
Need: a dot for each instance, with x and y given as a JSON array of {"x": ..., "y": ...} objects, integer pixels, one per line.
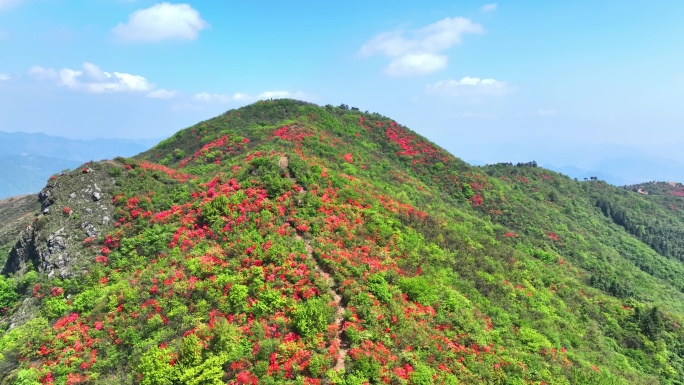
[
  {"x": 27, "y": 160},
  {"x": 289, "y": 243},
  {"x": 23, "y": 174},
  {"x": 618, "y": 165},
  {"x": 626, "y": 170}
]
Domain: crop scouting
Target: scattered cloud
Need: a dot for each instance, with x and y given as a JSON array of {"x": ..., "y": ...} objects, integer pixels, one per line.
[
  {"x": 416, "y": 64},
  {"x": 468, "y": 86},
  {"x": 212, "y": 98},
  {"x": 207, "y": 97},
  {"x": 279, "y": 95},
  {"x": 546, "y": 112},
  {"x": 90, "y": 78},
  {"x": 162, "y": 94},
  {"x": 39, "y": 72},
  {"x": 6, "y": 4},
  {"x": 4, "y": 77},
  {"x": 489, "y": 7},
  {"x": 416, "y": 52},
  {"x": 163, "y": 21}
]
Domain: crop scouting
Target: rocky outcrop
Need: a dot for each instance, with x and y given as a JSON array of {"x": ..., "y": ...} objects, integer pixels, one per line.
[
  {"x": 21, "y": 254},
  {"x": 16, "y": 214},
  {"x": 68, "y": 214},
  {"x": 74, "y": 208}
]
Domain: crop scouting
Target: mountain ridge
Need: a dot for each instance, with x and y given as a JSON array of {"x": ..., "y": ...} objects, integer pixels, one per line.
[{"x": 232, "y": 247}]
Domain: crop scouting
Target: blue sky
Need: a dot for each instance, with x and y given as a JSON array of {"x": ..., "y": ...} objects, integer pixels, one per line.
[{"x": 513, "y": 80}]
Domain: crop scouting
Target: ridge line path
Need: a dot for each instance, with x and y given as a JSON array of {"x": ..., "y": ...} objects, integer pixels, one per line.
[
  {"x": 339, "y": 307},
  {"x": 283, "y": 163}
]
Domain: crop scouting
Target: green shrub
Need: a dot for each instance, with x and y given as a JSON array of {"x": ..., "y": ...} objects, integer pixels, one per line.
[
  {"x": 378, "y": 286},
  {"x": 8, "y": 295},
  {"x": 155, "y": 368},
  {"x": 419, "y": 289},
  {"x": 311, "y": 317},
  {"x": 55, "y": 307}
]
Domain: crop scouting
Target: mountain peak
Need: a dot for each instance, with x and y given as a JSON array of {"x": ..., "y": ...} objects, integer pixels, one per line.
[{"x": 285, "y": 242}]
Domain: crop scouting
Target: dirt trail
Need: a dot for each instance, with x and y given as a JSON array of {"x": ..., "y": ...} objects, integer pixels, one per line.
[
  {"x": 339, "y": 308},
  {"x": 283, "y": 162}
]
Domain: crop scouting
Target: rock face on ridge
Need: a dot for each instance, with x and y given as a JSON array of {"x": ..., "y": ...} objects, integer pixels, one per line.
[
  {"x": 16, "y": 213},
  {"x": 75, "y": 208},
  {"x": 68, "y": 216},
  {"x": 67, "y": 219}
]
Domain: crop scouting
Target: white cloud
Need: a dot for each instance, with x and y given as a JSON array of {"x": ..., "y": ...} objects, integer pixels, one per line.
[
  {"x": 207, "y": 97},
  {"x": 162, "y": 94},
  {"x": 163, "y": 21},
  {"x": 416, "y": 64},
  {"x": 547, "y": 112},
  {"x": 212, "y": 98},
  {"x": 489, "y": 7},
  {"x": 4, "y": 77},
  {"x": 90, "y": 78},
  {"x": 240, "y": 96},
  {"x": 42, "y": 73},
  {"x": 278, "y": 95},
  {"x": 417, "y": 54},
  {"x": 468, "y": 86}
]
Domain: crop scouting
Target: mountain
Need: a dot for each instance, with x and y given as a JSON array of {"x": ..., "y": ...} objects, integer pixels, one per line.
[
  {"x": 28, "y": 159},
  {"x": 616, "y": 164},
  {"x": 23, "y": 173},
  {"x": 641, "y": 168},
  {"x": 288, "y": 243}
]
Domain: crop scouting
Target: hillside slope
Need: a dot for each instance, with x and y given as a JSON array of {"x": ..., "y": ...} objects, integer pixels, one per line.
[{"x": 285, "y": 242}]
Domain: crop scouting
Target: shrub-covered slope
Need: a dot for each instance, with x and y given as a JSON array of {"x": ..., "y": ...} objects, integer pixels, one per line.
[{"x": 285, "y": 242}]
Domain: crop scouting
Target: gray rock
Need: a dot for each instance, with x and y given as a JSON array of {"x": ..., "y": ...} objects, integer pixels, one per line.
[
  {"x": 61, "y": 261},
  {"x": 96, "y": 196},
  {"x": 89, "y": 229},
  {"x": 105, "y": 220},
  {"x": 46, "y": 211},
  {"x": 45, "y": 197},
  {"x": 56, "y": 241},
  {"x": 72, "y": 195}
]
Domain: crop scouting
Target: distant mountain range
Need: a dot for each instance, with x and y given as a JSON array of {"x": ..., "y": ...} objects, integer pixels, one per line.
[
  {"x": 620, "y": 171},
  {"x": 28, "y": 159},
  {"x": 617, "y": 165}
]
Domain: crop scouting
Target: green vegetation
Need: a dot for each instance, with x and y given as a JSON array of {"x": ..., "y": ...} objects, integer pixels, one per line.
[{"x": 287, "y": 243}]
